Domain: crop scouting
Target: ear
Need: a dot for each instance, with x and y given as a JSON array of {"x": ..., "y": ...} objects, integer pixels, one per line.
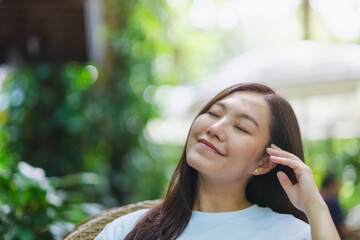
[{"x": 265, "y": 165}]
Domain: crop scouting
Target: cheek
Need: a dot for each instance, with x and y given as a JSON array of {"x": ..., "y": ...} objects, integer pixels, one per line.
[
  {"x": 192, "y": 137},
  {"x": 197, "y": 127},
  {"x": 188, "y": 146},
  {"x": 246, "y": 152}
]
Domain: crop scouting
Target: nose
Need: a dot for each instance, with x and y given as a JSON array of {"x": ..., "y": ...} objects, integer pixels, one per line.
[{"x": 217, "y": 130}]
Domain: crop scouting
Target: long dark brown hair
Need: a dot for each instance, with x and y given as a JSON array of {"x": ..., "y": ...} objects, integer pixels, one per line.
[{"x": 169, "y": 219}]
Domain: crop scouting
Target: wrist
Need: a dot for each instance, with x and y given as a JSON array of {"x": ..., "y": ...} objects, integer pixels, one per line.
[{"x": 315, "y": 207}]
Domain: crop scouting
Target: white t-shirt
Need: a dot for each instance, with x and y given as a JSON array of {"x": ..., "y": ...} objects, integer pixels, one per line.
[{"x": 250, "y": 223}]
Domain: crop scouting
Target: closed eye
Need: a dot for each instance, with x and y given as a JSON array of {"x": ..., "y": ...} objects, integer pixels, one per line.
[
  {"x": 241, "y": 129},
  {"x": 213, "y": 114}
]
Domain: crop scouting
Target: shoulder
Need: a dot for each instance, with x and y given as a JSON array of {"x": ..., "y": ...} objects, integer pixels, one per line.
[
  {"x": 251, "y": 223},
  {"x": 286, "y": 224},
  {"x": 121, "y": 226}
]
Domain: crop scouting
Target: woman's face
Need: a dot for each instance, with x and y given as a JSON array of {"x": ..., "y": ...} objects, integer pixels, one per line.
[{"x": 228, "y": 142}]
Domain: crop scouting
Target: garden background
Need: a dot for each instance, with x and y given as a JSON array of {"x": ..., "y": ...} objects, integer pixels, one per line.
[{"x": 79, "y": 131}]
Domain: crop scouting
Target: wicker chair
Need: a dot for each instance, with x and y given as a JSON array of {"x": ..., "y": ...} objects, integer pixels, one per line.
[{"x": 93, "y": 225}]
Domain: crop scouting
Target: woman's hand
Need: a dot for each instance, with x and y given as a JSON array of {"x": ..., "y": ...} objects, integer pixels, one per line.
[{"x": 304, "y": 195}]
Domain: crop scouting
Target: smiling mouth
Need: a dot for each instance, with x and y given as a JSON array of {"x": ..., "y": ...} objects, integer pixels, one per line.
[{"x": 209, "y": 146}]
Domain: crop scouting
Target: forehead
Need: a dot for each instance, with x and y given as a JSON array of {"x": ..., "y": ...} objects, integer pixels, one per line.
[
  {"x": 250, "y": 103},
  {"x": 245, "y": 97}
]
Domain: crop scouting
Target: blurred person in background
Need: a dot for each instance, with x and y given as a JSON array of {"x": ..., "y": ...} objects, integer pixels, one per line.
[{"x": 330, "y": 189}]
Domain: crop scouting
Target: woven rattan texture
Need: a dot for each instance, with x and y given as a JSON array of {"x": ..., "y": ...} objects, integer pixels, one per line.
[{"x": 92, "y": 227}]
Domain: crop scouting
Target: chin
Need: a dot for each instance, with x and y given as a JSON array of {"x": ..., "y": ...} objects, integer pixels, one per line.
[
  {"x": 202, "y": 167},
  {"x": 195, "y": 162}
]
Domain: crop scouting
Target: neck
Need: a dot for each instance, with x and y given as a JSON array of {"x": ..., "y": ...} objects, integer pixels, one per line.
[{"x": 213, "y": 196}]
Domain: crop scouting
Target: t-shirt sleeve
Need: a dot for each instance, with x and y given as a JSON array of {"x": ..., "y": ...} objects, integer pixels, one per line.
[
  {"x": 304, "y": 234},
  {"x": 303, "y": 231},
  {"x": 120, "y": 227},
  {"x": 295, "y": 229}
]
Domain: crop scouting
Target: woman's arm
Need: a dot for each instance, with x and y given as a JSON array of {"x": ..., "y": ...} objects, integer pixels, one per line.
[
  {"x": 305, "y": 195},
  {"x": 322, "y": 225}
]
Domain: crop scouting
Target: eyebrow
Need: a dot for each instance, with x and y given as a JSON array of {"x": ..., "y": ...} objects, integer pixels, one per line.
[{"x": 241, "y": 115}]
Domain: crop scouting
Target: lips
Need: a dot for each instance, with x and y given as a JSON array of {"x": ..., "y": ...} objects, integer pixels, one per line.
[{"x": 210, "y": 146}]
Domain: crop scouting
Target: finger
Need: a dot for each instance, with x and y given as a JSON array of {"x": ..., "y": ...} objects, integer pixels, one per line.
[
  {"x": 285, "y": 182},
  {"x": 281, "y": 153},
  {"x": 285, "y": 161},
  {"x": 275, "y": 147}
]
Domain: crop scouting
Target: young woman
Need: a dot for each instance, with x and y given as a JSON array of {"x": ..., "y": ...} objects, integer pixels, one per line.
[{"x": 241, "y": 176}]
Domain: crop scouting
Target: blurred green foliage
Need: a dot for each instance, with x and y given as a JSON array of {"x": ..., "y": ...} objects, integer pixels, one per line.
[
  {"x": 84, "y": 125},
  {"x": 43, "y": 126},
  {"x": 341, "y": 157},
  {"x": 31, "y": 208}
]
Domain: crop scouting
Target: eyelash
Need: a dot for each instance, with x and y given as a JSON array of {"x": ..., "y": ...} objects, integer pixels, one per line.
[
  {"x": 241, "y": 129},
  {"x": 237, "y": 127},
  {"x": 213, "y": 114}
]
